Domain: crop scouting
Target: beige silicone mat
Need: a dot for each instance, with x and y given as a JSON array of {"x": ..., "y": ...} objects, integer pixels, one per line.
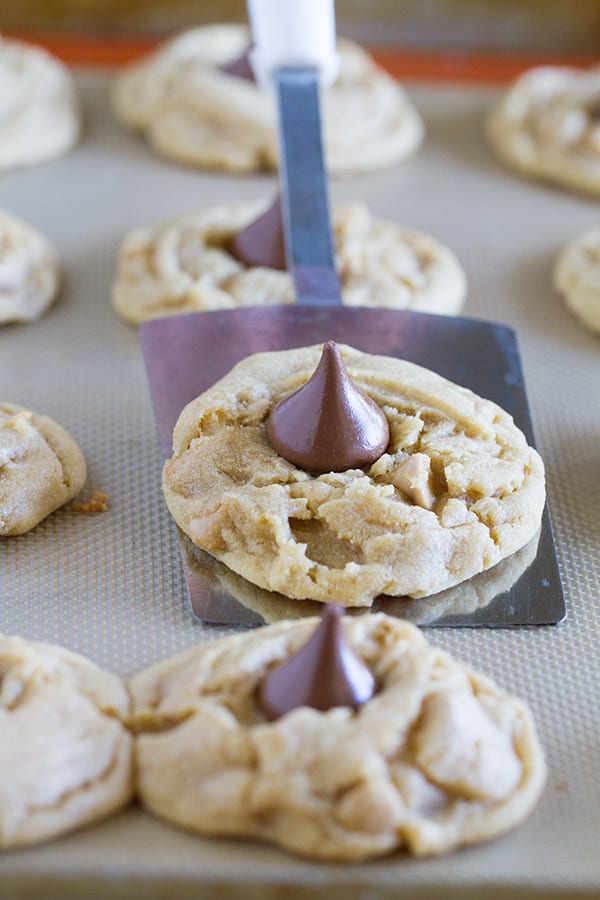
[{"x": 110, "y": 586}]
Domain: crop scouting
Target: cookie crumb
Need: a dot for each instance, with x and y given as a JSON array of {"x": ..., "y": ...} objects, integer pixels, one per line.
[{"x": 98, "y": 503}]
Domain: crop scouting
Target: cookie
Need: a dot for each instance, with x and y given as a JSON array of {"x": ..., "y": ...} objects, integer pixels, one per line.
[
  {"x": 457, "y": 490},
  {"x": 185, "y": 266},
  {"x": 41, "y": 468},
  {"x": 439, "y": 757},
  {"x": 577, "y": 278},
  {"x": 65, "y": 754},
  {"x": 548, "y": 126},
  {"x": 193, "y": 112},
  {"x": 29, "y": 271},
  {"x": 39, "y": 109}
]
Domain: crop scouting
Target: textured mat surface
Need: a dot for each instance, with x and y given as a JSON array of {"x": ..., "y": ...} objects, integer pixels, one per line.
[{"x": 111, "y": 586}]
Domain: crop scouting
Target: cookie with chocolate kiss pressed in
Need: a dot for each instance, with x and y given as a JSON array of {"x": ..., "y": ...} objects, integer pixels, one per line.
[
  {"x": 457, "y": 489},
  {"x": 193, "y": 100},
  {"x": 436, "y": 758},
  {"x": 232, "y": 255}
]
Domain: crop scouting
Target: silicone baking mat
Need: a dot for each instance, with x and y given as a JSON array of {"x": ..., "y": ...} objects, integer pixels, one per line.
[{"x": 111, "y": 585}]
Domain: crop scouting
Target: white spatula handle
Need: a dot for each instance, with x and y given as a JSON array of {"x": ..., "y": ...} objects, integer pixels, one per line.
[{"x": 293, "y": 33}]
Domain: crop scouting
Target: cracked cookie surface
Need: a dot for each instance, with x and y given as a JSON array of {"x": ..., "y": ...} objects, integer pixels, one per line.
[
  {"x": 196, "y": 113},
  {"x": 29, "y": 271},
  {"x": 437, "y": 758},
  {"x": 457, "y": 490},
  {"x": 39, "y": 109},
  {"x": 41, "y": 468},
  {"x": 65, "y": 755},
  {"x": 548, "y": 126},
  {"x": 185, "y": 266}
]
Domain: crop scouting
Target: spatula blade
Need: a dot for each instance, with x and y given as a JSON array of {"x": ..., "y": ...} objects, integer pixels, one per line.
[{"x": 186, "y": 354}]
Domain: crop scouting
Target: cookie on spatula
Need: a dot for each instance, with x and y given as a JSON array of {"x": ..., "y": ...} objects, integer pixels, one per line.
[{"x": 279, "y": 471}]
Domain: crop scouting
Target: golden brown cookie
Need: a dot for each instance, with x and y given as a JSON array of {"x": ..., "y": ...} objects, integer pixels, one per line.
[
  {"x": 41, "y": 468},
  {"x": 65, "y": 754},
  {"x": 458, "y": 489},
  {"x": 186, "y": 265},
  {"x": 437, "y": 758}
]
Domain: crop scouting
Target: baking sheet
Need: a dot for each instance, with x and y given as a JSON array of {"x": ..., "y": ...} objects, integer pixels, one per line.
[{"x": 111, "y": 586}]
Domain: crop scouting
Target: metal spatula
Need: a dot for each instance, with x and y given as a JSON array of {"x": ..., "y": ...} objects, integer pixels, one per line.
[{"x": 294, "y": 45}]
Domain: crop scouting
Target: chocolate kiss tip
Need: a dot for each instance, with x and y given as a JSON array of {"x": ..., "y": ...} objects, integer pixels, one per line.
[
  {"x": 240, "y": 67},
  {"x": 261, "y": 243},
  {"x": 323, "y": 674},
  {"x": 328, "y": 425}
]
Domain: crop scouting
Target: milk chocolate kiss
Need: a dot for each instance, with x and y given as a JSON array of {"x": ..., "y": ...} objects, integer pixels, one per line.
[
  {"x": 240, "y": 67},
  {"x": 261, "y": 243},
  {"x": 323, "y": 674},
  {"x": 328, "y": 425},
  {"x": 593, "y": 110}
]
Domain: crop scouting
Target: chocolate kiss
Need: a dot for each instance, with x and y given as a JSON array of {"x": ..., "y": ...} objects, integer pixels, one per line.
[
  {"x": 240, "y": 67},
  {"x": 328, "y": 425},
  {"x": 261, "y": 243},
  {"x": 324, "y": 673},
  {"x": 593, "y": 110}
]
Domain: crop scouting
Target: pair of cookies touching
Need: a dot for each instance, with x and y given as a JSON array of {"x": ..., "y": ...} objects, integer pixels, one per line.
[{"x": 437, "y": 758}]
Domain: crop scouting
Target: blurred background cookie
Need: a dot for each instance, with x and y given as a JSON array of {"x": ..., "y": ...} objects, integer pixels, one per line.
[
  {"x": 194, "y": 111},
  {"x": 188, "y": 265},
  {"x": 577, "y": 278},
  {"x": 29, "y": 271},
  {"x": 39, "y": 109},
  {"x": 548, "y": 126}
]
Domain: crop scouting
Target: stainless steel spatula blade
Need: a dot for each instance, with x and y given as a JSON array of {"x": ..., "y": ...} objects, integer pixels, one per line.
[
  {"x": 185, "y": 355},
  {"x": 304, "y": 194}
]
